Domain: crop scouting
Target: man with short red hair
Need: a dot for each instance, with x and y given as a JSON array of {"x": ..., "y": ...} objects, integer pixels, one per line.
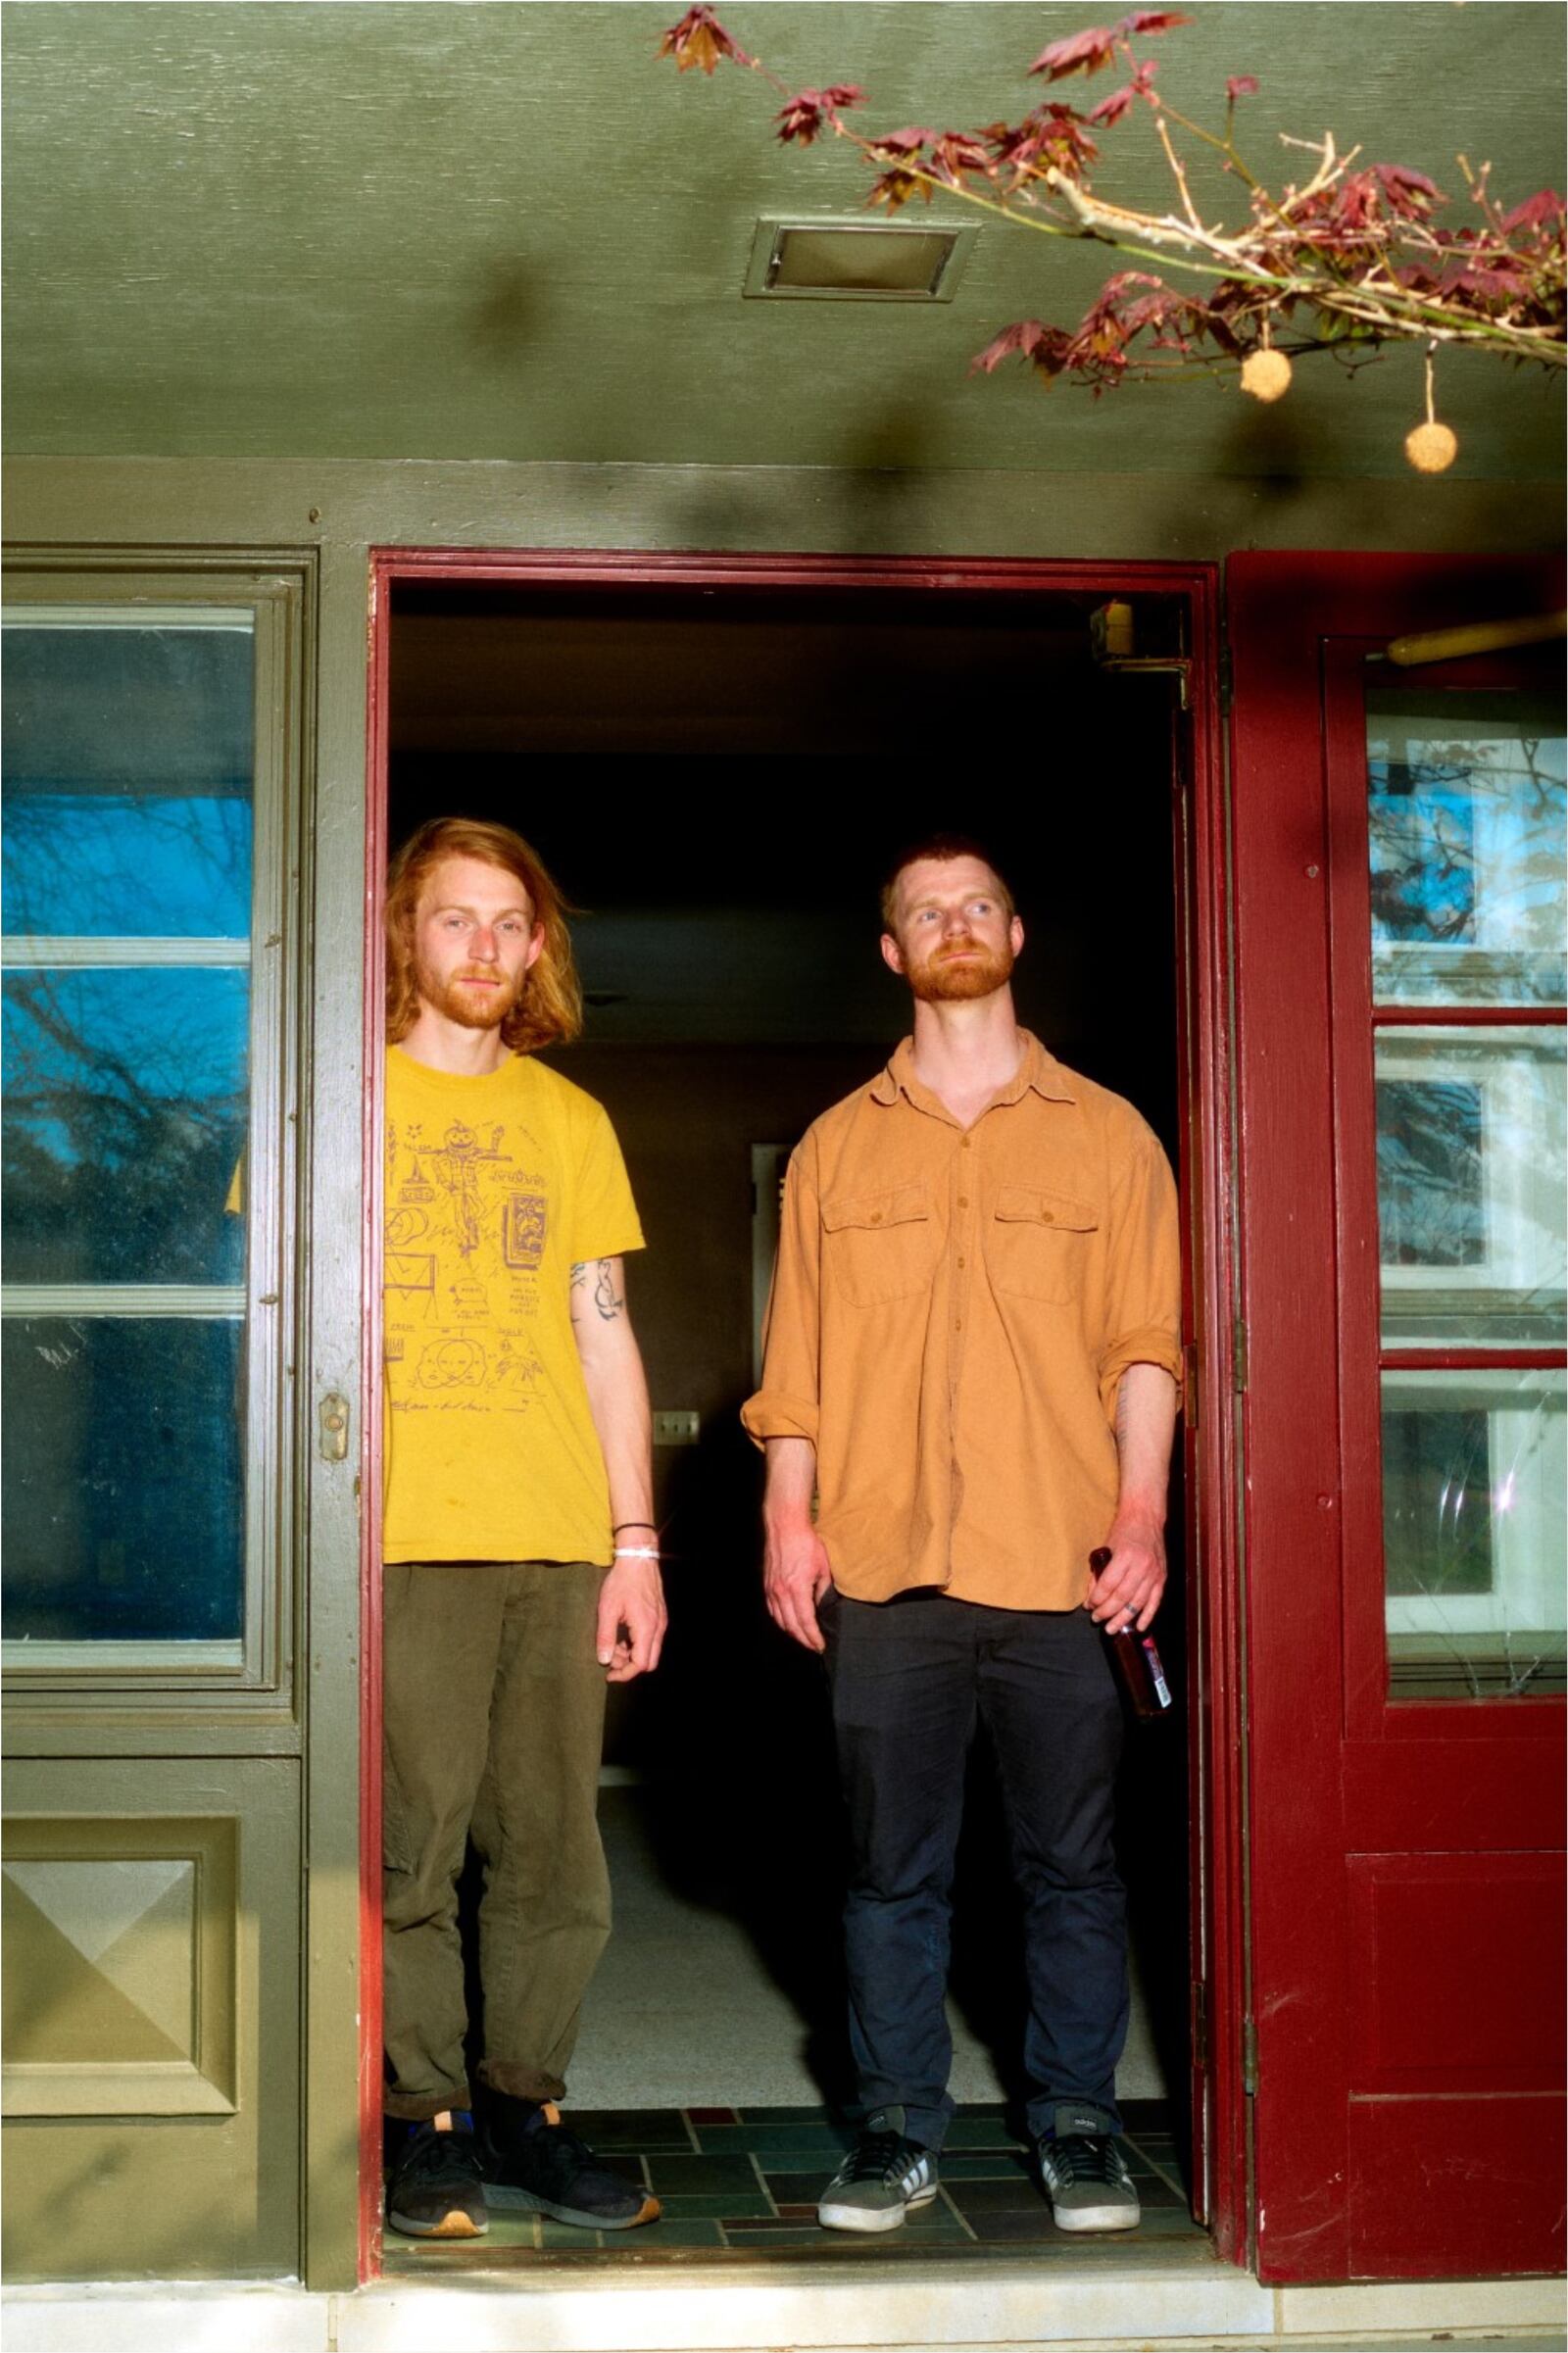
[{"x": 970, "y": 1384}]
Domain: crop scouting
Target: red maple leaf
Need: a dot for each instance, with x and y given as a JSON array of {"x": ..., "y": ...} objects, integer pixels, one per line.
[
  {"x": 1535, "y": 212},
  {"x": 1408, "y": 193},
  {"x": 1111, "y": 109},
  {"x": 802, "y": 117},
  {"x": 1080, "y": 53},
  {"x": 700, "y": 40},
  {"x": 957, "y": 152},
  {"x": 1241, "y": 85},
  {"x": 895, "y": 189},
  {"x": 1025, "y": 337},
  {"x": 1152, "y": 20}
]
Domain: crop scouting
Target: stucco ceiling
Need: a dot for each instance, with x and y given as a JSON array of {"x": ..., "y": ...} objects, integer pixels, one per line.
[{"x": 327, "y": 228}]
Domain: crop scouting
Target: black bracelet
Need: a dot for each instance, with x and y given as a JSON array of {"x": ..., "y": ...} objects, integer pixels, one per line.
[{"x": 651, "y": 1527}]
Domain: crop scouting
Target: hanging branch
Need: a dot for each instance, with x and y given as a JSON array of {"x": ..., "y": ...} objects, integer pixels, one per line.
[{"x": 1349, "y": 260}]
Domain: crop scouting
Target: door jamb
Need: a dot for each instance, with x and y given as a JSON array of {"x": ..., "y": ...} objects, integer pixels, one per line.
[{"x": 1216, "y": 1732}]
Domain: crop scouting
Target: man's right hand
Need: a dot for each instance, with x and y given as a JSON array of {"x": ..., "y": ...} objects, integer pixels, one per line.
[{"x": 795, "y": 1577}]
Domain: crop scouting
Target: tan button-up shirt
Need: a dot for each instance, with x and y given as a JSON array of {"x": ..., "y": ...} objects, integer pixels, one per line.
[{"x": 951, "y": 1311}]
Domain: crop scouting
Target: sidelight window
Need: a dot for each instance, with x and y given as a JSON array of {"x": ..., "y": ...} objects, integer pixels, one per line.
[
  {"x": 1465, "y": 797},
  {"x": 140, "y": 1297}
]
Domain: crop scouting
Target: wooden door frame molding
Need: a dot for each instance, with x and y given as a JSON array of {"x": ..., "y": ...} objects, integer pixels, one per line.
[{"x": 1204, "y": 1044}]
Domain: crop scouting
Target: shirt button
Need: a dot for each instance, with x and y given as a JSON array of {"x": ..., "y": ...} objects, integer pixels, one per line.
[
  {"x": 876, "y": 1217},
  {"x": 960, "y": 1261},
  {"x": 967, "y": 1141},
  {"x": 958, "y": 1324},
  {"x": 964, "y": 1200}
]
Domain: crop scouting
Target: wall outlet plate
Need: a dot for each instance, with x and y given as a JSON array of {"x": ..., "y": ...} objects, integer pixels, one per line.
[{"x": 675, "y": 1427}]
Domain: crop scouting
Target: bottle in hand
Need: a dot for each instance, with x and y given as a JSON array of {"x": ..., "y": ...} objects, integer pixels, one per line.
[{"x": 1135, "y": 1659}]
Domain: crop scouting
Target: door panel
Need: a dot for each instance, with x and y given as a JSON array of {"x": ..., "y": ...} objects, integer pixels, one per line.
[
  {"x": 152, "y": 1925},
  {"x": 1401, "y": 1026}
]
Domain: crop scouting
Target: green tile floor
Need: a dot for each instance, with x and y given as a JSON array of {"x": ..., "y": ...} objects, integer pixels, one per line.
[{"x": 744, "y": 2182}]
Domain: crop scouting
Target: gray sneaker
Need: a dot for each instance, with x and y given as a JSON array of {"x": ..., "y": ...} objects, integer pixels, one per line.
[
  {"x": 884, "y": 2177},
  {"x": 1085, "y": 2175}
]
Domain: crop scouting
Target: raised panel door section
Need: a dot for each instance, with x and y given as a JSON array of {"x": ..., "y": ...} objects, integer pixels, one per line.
[{"x": 151, "y": 2088}]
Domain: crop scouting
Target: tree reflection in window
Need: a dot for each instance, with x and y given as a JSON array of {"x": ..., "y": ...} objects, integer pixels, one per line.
[
  {"x": 1467, "y": 823},
  {"x": 1431, "y": 1204}
]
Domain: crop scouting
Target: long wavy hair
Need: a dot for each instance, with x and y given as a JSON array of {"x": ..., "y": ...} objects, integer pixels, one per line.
[{"x": 550, "y": 1011}]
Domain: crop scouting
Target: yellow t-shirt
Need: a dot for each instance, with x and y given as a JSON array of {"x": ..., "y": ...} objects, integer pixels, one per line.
[{"x": 495, "y": 1187}]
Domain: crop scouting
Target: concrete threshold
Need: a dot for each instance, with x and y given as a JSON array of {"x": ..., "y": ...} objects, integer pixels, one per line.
[{"x": 921, "y": 2309}]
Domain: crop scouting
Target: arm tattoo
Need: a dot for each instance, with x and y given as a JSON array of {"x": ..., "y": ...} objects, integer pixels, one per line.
[
  {"x": 579, "y": 1275},
  {"x": 606, "y": 1298}
]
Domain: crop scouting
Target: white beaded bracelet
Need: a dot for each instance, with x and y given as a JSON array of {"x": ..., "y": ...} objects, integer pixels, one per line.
[{"x": 636, "y": 1552}]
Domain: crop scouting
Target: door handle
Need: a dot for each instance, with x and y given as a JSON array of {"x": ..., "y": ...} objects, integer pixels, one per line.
[{"x": 333, "y": 1423}]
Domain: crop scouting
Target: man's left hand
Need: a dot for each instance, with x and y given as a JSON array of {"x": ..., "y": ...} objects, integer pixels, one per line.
[
  {"x": 1127, "y": 1589},
  {"x": 631, "y": 1619}
]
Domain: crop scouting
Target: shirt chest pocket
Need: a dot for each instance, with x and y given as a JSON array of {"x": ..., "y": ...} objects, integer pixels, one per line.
[
  {"x": 879, "y": 1246},
  {"x": 1038, "y": 1244}
]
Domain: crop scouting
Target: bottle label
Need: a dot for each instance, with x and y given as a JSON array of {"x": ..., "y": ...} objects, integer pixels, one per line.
[{"x": 1156, "y": 1671}]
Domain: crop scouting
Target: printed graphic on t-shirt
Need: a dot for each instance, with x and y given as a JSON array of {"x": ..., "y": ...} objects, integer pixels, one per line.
[{"x": 468, "y": 1223}]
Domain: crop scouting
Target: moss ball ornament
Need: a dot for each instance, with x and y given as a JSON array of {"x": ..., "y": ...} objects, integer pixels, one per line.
[
  {"x": 1266, "y": 375},
  {"x": 1432, "y": 448}
]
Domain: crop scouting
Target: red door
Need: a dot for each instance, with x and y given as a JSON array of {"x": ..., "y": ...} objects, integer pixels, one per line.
[{"x": 1398, "y": 846}]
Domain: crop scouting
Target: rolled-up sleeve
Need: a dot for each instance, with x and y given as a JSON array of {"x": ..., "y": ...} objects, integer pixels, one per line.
[
  {"x": 1143, "y": 1322},
  {"x": 786, "y": 1404}
]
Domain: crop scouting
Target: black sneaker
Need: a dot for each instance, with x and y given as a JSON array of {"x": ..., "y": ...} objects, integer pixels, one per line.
[
  {"x": 1086, "y": 2177},
  {"x": 436, "y": 2190},
  {"x": 529, "y": 2161},
  {"x": 881, "y": 2180}
]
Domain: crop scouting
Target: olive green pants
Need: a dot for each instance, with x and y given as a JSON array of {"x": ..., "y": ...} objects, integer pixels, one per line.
[{"x": 494, "y": 1713}]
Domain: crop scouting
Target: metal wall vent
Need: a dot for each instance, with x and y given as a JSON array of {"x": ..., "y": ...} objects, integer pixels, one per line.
[{"x": 857, "y": 261}]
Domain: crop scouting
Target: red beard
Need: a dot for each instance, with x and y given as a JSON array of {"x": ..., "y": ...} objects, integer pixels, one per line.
[
  {"x": 472, "y": 1009},
  {"x": 941, "y": 981}
]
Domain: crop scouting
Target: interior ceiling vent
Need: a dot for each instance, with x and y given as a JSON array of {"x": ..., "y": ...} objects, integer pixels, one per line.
[{"x": 857, "y": 261}]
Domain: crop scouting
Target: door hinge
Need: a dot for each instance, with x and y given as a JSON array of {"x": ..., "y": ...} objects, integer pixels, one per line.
[
  {"x": 1199, "y": 2007},
  {"x": 1226, "y": 675},
  {"x": 1239, "y": 1355},
  {"x": 1250, "y": 2059}
]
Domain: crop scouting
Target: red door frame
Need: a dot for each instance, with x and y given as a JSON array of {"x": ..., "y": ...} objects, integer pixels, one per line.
[
  {"x": 1211, "y": 1441},
  {"x": 1349, "y": 2177}
]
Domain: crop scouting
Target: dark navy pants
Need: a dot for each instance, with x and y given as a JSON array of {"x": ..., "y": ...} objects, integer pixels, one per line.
[{"x": 909, "y": 1678}]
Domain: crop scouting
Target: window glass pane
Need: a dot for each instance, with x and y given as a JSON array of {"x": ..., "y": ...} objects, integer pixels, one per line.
[
  {"x": 128, "y": 755},
  {"x": 1468, "y": 835},
  {"x": 124, "y": 1507},
  {"x": 124, "y": 1125},
  {"x": 1472, "y": 1198},
  {"x": 1473, "y": 1523}
]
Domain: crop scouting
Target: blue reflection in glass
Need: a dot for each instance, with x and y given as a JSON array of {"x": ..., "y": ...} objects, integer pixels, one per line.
[
  {"x": 124, "y": 1125},
  {"x": 129, "y": 762},
  {"x": 97, "y": 865},
  {"x": 1422, "y": 822},
  {"x": 123, "y": 1501}
]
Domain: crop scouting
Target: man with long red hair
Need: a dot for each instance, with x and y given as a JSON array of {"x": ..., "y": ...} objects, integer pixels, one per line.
[{"x": 521, "y": 1562}]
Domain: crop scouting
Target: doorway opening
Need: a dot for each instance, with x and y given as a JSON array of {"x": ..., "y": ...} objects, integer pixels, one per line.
[{"x": 632, "y": 728}]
